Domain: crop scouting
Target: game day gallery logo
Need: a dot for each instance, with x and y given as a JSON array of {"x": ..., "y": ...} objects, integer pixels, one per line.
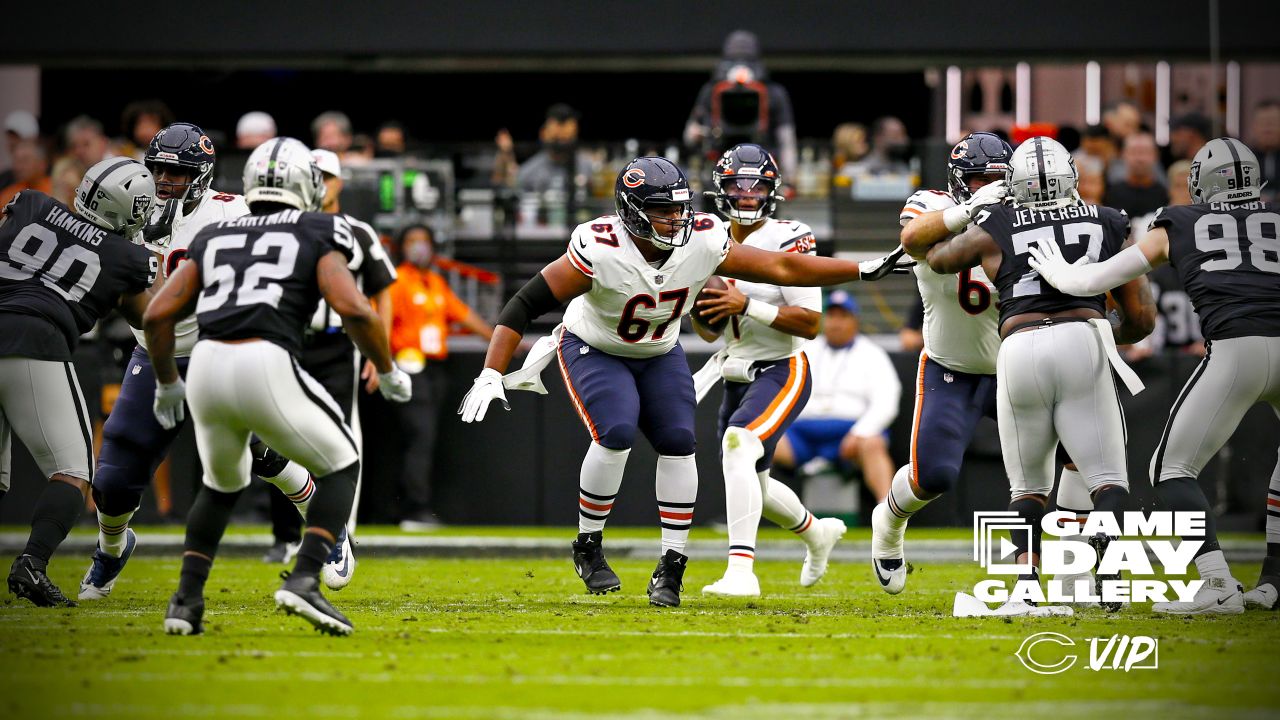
[{"x": 1136, "y": 539}]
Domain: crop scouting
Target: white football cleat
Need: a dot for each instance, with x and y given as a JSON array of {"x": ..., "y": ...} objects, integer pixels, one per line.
[
  {"x": 1071, "y": 581},
  {"x": 341, "y": 565},
  {"x": 1218, "y": 596},
  {"x": 1018, "y": 608},
  {"x": 827, "y": 533},
  {"x": 1262, "y": 597},
  {"x": 735, "y": 583},
  {"x": 888, "y": 561}
]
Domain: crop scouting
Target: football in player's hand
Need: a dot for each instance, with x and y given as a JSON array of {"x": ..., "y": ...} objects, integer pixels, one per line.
[{"x": 713, "y": 283}]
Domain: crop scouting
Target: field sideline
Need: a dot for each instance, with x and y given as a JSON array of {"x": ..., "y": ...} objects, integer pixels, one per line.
[{"x": 517, "y": 638}]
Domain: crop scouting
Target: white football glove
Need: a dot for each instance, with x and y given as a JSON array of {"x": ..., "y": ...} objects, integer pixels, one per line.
[
  {"x": 1047, "y": 260},
  {"x": 395, "y": 385},
  {"x": 168, "y": 403},
  {"x": 486, "y": 388},
  {"x": 958, "y": 218},
  {"x": 893, "y": 263}
]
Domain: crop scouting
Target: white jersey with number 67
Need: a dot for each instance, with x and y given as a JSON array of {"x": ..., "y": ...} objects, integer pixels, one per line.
[
  {"x": 961, "y": 320},
  {"x": 633, "y": 309}
]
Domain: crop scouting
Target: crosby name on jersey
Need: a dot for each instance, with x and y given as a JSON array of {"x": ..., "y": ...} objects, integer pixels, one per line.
[
  {"x": 633, "y": 308},
  {"x": 748, "y": 339},
  {"x": 960, "y": 309},
  {"x": 213, "y": 207}
]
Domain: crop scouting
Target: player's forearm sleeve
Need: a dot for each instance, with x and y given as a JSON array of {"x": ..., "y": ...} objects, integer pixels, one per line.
[
  {"x": 1097, "y": 278},
  {"x": 533, "y": 300}
]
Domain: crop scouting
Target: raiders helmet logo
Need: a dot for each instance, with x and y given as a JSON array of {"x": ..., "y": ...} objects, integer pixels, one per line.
[
  {"x": 141, "y": 203},
  {"x": 633, "y": 178}
]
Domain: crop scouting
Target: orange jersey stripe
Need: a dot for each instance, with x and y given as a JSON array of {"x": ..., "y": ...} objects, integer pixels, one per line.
[
  {"x": 915, "y": 422},
  {"x": 573, "y": 395}
]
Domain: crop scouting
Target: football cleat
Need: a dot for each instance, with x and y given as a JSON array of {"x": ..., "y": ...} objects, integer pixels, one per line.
[
  {"x": 1263, "y": 597},
  {"x": 888, "y": 561},
  {"x": 185, "y": 616},
  {"x": 827, "y": 533},
  {"x": 588, "y": 560},
  {"x": 1071, "y": 582},
  {"x": 103, "y": 571},
  {"x": 27, "y": 579},
  {"x": 341, "y": 565},
  {"x": 1099, "y": 544},
  {"x": 668, "y": 580},
  {"x": 1218, "y": 596},
  {"x": 301, "y": 596},
  {"x": 735, "y": 583},
  {"x": 282, "y": 552}
]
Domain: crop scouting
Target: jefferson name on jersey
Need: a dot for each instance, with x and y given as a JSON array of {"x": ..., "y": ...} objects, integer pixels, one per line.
[
  {"x": 748, "y": 339},
  {"x": 633, "y": 309}
]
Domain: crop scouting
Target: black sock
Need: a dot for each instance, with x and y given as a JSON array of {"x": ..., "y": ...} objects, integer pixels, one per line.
[
  {"x": 1273, "y": 550},
  {"x": 208, "y": 519},
  {"x": 1031, "y": 510},
  {"x": 312, "y": 554},
  {"x": 2, "y": 492},
  {"x": 1111, "y": 498},
  {"x": 1271, "y": 569},
  {"x": 195, "y": 571},
  {"x": 331, "y": 504},
  {"x": 1184, "y": 495},
  {"x": 57, "y": 510}
]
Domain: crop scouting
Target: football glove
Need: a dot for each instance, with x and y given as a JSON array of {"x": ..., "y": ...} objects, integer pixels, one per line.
[
  {"x": 958, "y": 218},
  {"x": 395, "y": 385},
  {"x": 168, "y": 403},
  {"x": 893, "y": 263},
  {"x": 486, "y": 388}
]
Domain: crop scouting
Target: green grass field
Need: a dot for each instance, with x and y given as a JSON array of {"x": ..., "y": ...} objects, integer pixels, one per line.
[{"x": 491, "y": 638}]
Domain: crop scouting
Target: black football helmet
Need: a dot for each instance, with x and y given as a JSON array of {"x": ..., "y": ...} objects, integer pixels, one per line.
[
  {"x": 746, "y": 169},
  {"x": 188, "y": 147},
  {"x": 980, "y": 153},
  {"x": 651, "y": 182}
]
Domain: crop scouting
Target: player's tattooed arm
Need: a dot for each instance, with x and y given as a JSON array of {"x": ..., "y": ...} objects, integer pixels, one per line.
[
  {"x": 968, "y": 249},
  {"x": 359, "y": 319},
  {"x": 176, "y": 301},
  {"x": 558, "y": 283}
]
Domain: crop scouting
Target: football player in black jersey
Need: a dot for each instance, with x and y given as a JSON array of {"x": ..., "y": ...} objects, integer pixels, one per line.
[
  {"x": 1057, "y": 351},
  {"x": 254, "y": 285},
  {"x": 1226, "y": 251},
  {"x": 63, "y": 270}
]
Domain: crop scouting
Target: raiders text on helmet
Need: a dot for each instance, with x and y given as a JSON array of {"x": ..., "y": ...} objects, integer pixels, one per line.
[
  {"x": 1043, "y": 175},
  {"x": 1224, "y": 170},
  {"x": 281, "y": 170},
  {"x": 116, "y": 194}
]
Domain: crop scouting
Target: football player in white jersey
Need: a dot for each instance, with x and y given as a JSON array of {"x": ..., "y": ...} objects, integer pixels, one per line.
[
  {"x": 766, "y": 374},
  {"x": 181, "y": 158},
  {"x": 956, "y": 381},
  {"x": 630, "y": 278}
]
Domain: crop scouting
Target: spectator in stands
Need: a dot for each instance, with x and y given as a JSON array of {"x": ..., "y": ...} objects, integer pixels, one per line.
[
  {"x": 30, "y": 171},
  {"x": 87, "y": 141},
  {"x": 849, "y": 145},
  {"x": 1093, "y": 179},
  {"x": 1178, "y": 192},
  {"x": 854, "y": 400},
  {"x": 141, "y": 121},
  {"x": 1122, "y": 119},
  {"x": 890, "y": 149},
  {"x": 19, "y": 125},
  {"x": 331, "y": 131},
  {"x": 1096, "y": 142},
  {"x": 1141, "y": 191},
  {"x": 361, "y": 150},
  {"x": 253, "y": 129},
  {"x": 1187, "y": 134},
  {"x": 65, "y": 178},
  {"x": 1266, "y": 144},
  {"x": 741, "y": 104},
  {"x": 423, "y": 309},
  {"x": 391, "y": 141},
  {"x": 911, "y": 336},
  {"x": 558, "y": 161}
]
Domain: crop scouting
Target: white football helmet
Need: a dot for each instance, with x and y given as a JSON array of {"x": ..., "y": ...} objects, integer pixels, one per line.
[
  {"x": 1043, "y": 175},
  {"x": 281, "y": 170},
  {"x": 1225, "y": 170},
  {"x": 117, "y": 194}
]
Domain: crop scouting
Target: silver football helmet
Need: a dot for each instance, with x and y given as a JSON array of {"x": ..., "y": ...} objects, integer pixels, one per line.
[
  {"x": 281, "y": 170},
  {"x": 117, "y": 194},
  {"x": 1043, "y": 175},
  {"x": 1225, "y": 170}
]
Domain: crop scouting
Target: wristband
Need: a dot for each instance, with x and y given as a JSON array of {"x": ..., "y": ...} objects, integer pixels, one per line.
[
  {"x": 761, "y": 312},
  {"x": 956, "y": 218}
]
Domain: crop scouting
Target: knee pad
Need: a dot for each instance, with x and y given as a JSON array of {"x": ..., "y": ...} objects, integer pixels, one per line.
[
  {"x": 740, "y": 448},
  {"x": 618, "y": 437},
  {"x": 937, "y": 479},
  {"x": 266, "y": 462},
  {"x": 673, "y": 441}
]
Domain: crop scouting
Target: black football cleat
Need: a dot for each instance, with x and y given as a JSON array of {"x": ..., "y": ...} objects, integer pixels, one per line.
[
  {"x": 301, "y": 596},
  {"x": 668, "y": 580},
  {"x": 588, "y": 560},
  {"x": 27, "y": 579},
  {"x": 185, "y": 616},
  {"x": 1099, "y": 544}
]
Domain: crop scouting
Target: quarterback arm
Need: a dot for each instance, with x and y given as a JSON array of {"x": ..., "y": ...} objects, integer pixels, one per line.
[
  {"x": 362, "y": 323},
  {"x": 755, "y": 265},
  {"x": 558, "y": 283},
  {"x": 175, "y": 302},
  {"x": 723, "y": 304},
  {"x": 966, "y": 250}
]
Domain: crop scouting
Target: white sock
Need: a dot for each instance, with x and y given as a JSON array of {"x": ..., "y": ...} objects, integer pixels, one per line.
[
  {"x": 677, "y": 490},
  {"x": 1213, "y": 564},
  {"x": 783, "y": 507},
  {"x": 296, "y": 484},
  {"x": 1074, "y": 497},
  {"x": 742, "y": 493},
  {"x": 902, "y": 500},
  {"x": 1273, "y": 508},
  {"x": 111, "y": 532},
  {"x": 598, "y": 485}
]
